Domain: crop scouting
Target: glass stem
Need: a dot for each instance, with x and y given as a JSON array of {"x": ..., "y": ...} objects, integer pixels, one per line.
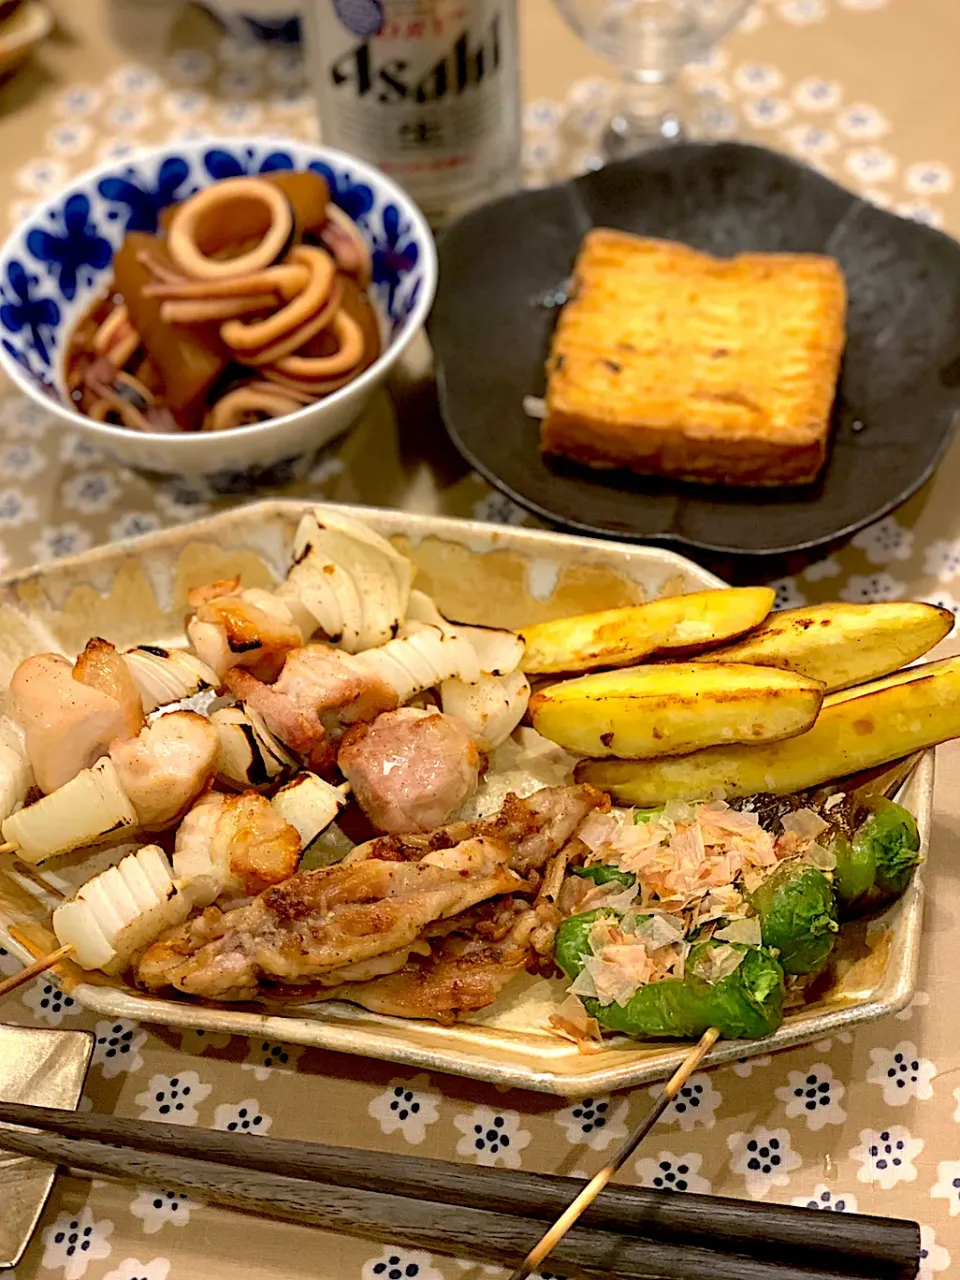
[{"x": 649, "y": 109}]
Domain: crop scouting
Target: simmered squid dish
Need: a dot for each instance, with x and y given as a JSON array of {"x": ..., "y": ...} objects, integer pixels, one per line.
[{"x": 248, "y": 304}]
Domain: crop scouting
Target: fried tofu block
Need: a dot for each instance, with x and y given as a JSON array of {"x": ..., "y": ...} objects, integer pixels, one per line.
[{"x": 670, "y": 362}]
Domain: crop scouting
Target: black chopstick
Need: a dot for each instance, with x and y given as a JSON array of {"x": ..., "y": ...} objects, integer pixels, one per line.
[
  {"x": 881, "y": 1248},
  {"x": 392, "y": 1219}
]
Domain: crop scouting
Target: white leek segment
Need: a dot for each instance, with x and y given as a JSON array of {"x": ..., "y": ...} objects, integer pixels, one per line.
[
  {"x": 352, "y": 581},
  {"x": 90, "y": 808},
  {"x": 167, "y": 675},
  {"x": 248, "y": 754},
  {"x": 16, "y": 775},
  {"x": 490, "y": 709},
  {"x": 309, "y": 804},
  {"x": 422, "y": 657},
  {"x": 121, "y": 911}
]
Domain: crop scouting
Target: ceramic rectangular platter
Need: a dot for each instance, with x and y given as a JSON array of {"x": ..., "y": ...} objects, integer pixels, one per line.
[{"x": 135, "y": 593}]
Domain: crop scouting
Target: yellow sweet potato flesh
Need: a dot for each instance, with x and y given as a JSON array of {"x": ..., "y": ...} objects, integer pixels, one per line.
[
  {"x": 856, "y": 729},
  {"x": 673, "y": 708},
  {"x": 841, "y": 644},
  {"x": 620, "y": 637}
]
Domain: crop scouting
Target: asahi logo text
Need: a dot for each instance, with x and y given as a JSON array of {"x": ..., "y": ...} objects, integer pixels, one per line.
[{"x": 461, "y": 68}]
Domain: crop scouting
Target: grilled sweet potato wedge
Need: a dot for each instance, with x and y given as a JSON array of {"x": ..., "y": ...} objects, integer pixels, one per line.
[
  {"x": 841, "y": 645},
  {"x": 620, "y": 637},
  {"x": 673, "y": 708},
  {"x": 857, "y": 729}
]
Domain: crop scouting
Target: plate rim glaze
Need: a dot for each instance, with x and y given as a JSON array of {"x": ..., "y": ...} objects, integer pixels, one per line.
[
  {"x": 498, "y": 1056},
  {"x": 668, "y": 538}
]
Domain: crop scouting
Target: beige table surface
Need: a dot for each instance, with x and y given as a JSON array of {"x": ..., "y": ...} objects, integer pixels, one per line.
[{"x": 864, "y": 88}]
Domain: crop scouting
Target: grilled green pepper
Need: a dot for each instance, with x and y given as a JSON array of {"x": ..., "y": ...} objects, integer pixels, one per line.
[
  {"x": 603, "y": 874},
  {"x": 746, "y": 1004},
  {"x": 877, "y": 862},
  {"x": 798, "y": 916}
]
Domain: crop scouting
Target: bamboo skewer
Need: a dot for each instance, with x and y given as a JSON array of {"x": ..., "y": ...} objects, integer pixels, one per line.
[
  {"x": 597, "y": 1183},
  {"x": 31, "y": 971}
]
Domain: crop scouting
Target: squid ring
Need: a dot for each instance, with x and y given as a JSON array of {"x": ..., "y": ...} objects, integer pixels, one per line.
[
  {"x": 229, "y": 411},
  {"x": 293, "y": 341},
  {"x": 243, "y": 336},
  {"x": 350, "y": 337},
  {"x": 181, "y": 236},
  {"x": 202, "y": 310},
  {"x": 110, "y": 329},
  {"x": 285, "y": 279}
]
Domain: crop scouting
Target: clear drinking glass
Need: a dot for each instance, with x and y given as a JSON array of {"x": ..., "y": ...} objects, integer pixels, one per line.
[{"x": 650, "y": 42}]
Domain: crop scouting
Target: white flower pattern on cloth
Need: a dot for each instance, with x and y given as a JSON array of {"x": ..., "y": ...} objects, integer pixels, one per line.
[
  {"x": 919, "y": 1000},
  {"x": 947, "y": 1185},
  {"x": 942, "y": 559},
  {"x": 871, "y": 164},
  {"x": 815, "y": 1095},
  {"x": 823, "y": 1198},
  {"x": 400, "y": 1264},
  {"x": 745, "y": 1067},
  {"x": 408, "y": 1107},
  {"x": 695, "y": 1105},
  {"x": 242, "y": 1117},
  {"x": 264, "y": 1057},
  {"x": 669, "y": 1172},
  {"x": 134, "y": 1269},
  {"x": 767, "y": 113},
  {"x": 117, "y": 1047},
  {"x": 929, "y": 177},
  {"x": 885, "y": 541},
  {"x": 77, "y": 451},
  {"x": 758, "y": 78},
  {"x": 902, "y": 1073},
  {"x": 173, "y": 1099},
  {"x": 49, "y": 1003},
  {"x": 90, "y": 493},
  {"x": 802, "y": 13},
  {"x": 61, "y": 540},
  {"x": 23, "y": 461},
  {"x": 787, "y": 595},
  {"x": 863, "y": 122},
  {"x": 764, "y": 1157},
  {"x": 816, "y": 94},
  {"x": 16, "y": 508},
  {"x": 812, "y": 140},
  {"x": 75, "y": 1240},
  {"x": 822, "y": 569},
  {"x": 933, "y": 1256},
  {"x": 199, "y": 1040},
  {"x": 872, "y": 586},
  {"x": 500, "y": 509},
  {"x": 595, "y": 1121},
  {"x": 133, "y": 525},
  {"x": 492, "y": 1137},
  {"x": 156, "y": 1207},
  {"x": 886, "y": 1157}
]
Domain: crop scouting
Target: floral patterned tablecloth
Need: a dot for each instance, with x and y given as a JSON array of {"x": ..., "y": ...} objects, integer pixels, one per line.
[{"x": 870, "y": 1121}]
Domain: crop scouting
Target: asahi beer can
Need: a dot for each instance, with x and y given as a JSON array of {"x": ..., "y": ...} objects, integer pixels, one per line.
[{"x": 427, "y": 90}]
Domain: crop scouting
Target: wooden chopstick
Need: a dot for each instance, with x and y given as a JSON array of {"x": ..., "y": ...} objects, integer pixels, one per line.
[
  {"x": 449, "y": 1229},
  {"x": 882, "y": 1248}
]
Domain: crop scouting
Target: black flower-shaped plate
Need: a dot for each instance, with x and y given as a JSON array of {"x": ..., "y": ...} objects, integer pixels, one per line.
[{"x": 899, "y": 394}]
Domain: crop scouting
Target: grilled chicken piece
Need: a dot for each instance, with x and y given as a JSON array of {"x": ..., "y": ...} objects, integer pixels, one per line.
[
  {"x": 235, "y": 627},
  {"x": 319, "y": 921},
  {"x": 534, "y": 828},
  {"x": 166, "y": 766},
  {"x": 101, "y": 667},
  {"x": 69, "y": 722},
  {"x": 233, "y": 846},
  {"x": 318, "y": 692},
  {"x": 410, "y": 769},
  {"x": 465, "y": 972}
]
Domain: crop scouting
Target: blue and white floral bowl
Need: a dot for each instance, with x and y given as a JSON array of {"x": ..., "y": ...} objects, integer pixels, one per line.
[{"x": 59, "y": 259}]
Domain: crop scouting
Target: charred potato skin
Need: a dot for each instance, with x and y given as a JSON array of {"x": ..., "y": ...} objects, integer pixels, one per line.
[
  {"x": 840, "y": 644},
  {"x": 620, "y": 637}
]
